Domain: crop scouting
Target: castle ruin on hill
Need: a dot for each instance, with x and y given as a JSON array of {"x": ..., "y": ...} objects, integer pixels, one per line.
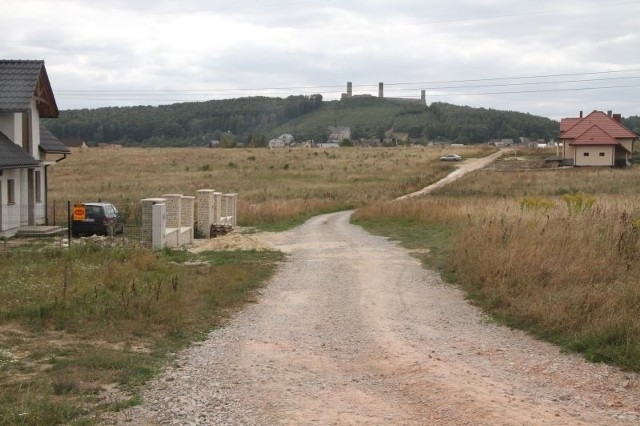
[{"x": 349, "y": 95}]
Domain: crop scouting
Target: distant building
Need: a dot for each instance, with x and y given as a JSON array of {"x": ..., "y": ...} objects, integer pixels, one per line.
[
  {"x": 281, "y": 141},
  {"x": 338, "y": 133},
  {"x": 74, "y": 142},
  {"x": 109, "y": 145},
  {"x": 598, "y": 139},
  {"x": 349, "y": 95}
]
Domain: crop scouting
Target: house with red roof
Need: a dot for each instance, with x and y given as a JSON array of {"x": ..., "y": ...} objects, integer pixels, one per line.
[
  {"x": 27, "y": 149},
  {"x": 598, "y": 139}
]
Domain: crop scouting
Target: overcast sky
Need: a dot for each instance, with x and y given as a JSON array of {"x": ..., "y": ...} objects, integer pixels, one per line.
[{"x": 549, "y": 58}]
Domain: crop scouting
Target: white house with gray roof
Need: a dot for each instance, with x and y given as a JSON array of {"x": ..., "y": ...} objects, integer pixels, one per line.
[{"x": 26, "y": 148}]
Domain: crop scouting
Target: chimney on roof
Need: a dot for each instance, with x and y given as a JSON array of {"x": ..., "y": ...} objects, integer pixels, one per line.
[
  {"x": 609, "y": 113},
  {"x": 617, "y": 117},
  {"x": 580, "y": 114},
  {"x": 349, "y": 89},
  {"x": 423, "y": 95},
  {"x": 381, "y": 90}
]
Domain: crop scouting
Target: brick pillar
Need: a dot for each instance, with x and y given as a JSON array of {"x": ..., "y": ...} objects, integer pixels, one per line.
[
  {"x": 146, "y": 231},
  {"x": 186, "y": 217},
  {"x": 174, "y": 212},
  {"x": 233, "y": 208},
  {"x": 204, "y": 212},
  {"x": 217, "y": 207}
]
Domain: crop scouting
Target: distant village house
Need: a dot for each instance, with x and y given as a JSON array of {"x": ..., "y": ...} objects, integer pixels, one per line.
[
  {"x": 598, "y": 139},
  {"x": 74, "y": 143}
]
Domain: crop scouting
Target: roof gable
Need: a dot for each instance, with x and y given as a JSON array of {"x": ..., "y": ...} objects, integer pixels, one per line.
[
  {"x": 600, "y": 119},
  {"x": 23, "y": 81},
  {"x": 595, "y": 136},
  {"x": 12, "y": 156}
]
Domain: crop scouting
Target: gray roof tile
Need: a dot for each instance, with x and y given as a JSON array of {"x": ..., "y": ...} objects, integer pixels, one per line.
[
  {"x": 18, "y": 83},
  {"x": 12, "y": 156},
  {"x": 49, "y": 143}
]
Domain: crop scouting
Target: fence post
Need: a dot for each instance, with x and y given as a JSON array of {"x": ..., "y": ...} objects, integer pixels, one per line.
[
  {"x": 205, "y": 211},
  {"x": 151, "y": 228},
  {"x": 69, "y": 223}
]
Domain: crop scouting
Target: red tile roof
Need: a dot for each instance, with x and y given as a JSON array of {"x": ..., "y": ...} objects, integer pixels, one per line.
[
  {"x": 594, "y": 136},
  {"x": 599, "y": 119},
  {"x": 567, "y": 123}
]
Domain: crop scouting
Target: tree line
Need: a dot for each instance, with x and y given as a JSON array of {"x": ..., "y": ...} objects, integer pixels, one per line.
[{"x": 252, "y": 121}]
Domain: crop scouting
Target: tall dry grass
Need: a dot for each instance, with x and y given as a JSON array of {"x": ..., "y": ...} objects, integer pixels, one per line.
[
  {"x": 273, "y": 185},
  {"x": 571, "y": 273},
  {"x": 565, "y": 266}
]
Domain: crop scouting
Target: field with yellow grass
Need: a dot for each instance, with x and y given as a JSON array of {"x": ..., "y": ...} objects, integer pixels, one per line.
[
  {"x": 554, "y": 251},
  {"x": 276, "y": 187}
]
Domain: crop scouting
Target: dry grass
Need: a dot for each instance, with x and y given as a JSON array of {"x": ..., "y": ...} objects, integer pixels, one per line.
[
  {"x": 274, "y": 185},
  {"x": 565, "y": 266}
]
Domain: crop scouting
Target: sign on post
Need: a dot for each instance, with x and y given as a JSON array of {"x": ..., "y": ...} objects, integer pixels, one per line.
[{"x": 79, "y": 212}]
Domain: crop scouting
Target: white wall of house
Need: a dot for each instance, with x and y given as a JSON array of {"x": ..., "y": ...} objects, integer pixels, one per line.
[
  {"x": 11, "y": 212},
  {"x": 594, "y": 155},
  {"x": 35, "y": 130},
  {"x": 27, "y": 208},
  {"x": 628, "y": 144}
]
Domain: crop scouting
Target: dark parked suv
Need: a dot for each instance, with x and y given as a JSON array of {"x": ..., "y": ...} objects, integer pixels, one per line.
[{"x": 99, "y": 219}]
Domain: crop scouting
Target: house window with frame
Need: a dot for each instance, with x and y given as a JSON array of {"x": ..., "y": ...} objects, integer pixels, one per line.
[
  {"x": 11, "y": 191},
  {"x": 602, "y": 154},
  {"x": 38, "y": 186},
  {"x": 586, "y": 154}
]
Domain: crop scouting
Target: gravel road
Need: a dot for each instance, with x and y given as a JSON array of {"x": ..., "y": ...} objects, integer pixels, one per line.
[{"x": 352, "y": 330}]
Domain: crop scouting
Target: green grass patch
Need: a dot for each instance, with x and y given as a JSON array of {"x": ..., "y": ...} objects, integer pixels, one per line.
[{"x": 79, "y": 321}]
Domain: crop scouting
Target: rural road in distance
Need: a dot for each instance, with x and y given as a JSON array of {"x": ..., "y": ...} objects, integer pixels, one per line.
[{"x": 353, "y": 331}]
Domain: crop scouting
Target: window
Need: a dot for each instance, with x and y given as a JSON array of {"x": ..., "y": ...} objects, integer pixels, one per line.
[
  {"x": 602, "y": 154},
  {"x": 11, "y": 191},
  {"x": 38, "y": 185},
  {"x": 586, "y": 154}
]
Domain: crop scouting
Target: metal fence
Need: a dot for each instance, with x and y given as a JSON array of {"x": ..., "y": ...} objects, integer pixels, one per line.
[
  {"x": 59, "y": 215},
  {"x": 58, "y": 211}
]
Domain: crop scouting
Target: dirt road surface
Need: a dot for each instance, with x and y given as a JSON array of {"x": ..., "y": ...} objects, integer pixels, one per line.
[
  {"x": 353, "y": 331},
  {"x": 462, "y": 169}
]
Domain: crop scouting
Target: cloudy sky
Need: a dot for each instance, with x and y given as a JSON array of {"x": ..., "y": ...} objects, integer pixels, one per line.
[{"x": 549, "y": 58}]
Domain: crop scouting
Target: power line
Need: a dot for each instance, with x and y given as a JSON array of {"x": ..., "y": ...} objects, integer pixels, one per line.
[
  {"x": 198, "y": 95},
  {"x": 576, "y": 89}
]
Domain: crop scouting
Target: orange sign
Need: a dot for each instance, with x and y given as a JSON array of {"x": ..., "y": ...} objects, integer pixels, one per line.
[{"x": 78, "y": 212}]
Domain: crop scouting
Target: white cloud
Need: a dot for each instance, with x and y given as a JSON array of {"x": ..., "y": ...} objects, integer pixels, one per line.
[{"x": 197, "y": 49}]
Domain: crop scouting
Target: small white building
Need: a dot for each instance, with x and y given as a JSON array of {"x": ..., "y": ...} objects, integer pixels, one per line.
[
  {"x": 281, "y": 141},
  {"x": 338, "y": 133}
]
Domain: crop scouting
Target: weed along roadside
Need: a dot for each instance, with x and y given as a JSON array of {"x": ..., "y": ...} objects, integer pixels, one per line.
[{"x": 552, "y": 252}]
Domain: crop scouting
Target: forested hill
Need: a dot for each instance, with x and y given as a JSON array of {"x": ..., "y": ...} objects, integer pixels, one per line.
[{"x": 255, "y": 120}]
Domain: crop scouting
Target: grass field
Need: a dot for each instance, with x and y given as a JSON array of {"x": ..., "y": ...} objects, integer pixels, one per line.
[
  {"x": 82, "y": 329},
  {"x": 555, "y": 252},
  {"x": 277, "y": 187}
]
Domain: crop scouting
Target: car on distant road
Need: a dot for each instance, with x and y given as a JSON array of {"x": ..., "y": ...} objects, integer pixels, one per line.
[
  {"x": 451, "y": 157},
  {"x": 96, "y": 219}
]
